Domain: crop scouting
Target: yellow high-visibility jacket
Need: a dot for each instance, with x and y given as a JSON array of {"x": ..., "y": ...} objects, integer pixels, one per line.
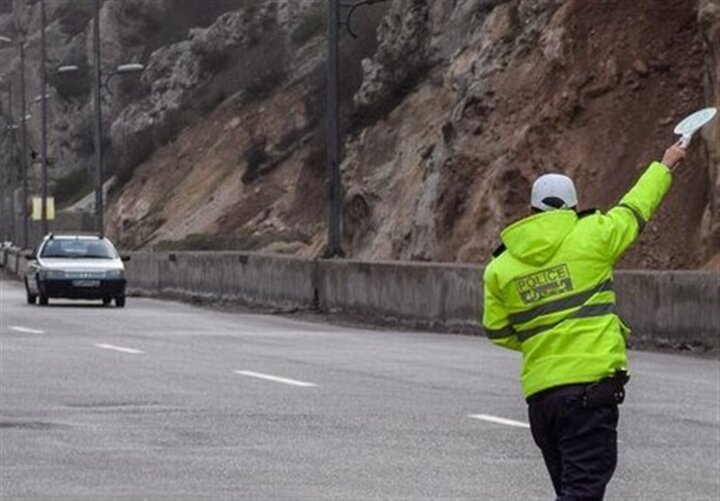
[{"x": 548, "y": 291}]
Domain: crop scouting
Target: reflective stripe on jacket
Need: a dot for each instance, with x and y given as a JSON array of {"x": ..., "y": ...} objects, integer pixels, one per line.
[{"x": 550, "y": 293}]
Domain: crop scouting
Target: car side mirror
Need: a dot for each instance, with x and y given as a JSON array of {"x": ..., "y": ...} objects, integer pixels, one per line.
[
  {"x": 125, "y": 258},
  {"x": 30, "y": 256}
]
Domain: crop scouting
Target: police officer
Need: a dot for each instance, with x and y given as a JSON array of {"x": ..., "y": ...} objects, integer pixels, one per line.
[{"x": 548, "y": 293}]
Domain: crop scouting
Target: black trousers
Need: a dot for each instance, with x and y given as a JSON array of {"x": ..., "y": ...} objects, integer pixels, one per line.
[{"x": 579, "y": 445}]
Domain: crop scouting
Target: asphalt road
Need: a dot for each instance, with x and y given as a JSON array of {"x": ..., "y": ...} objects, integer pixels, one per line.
[{"x": 164, "y": 400}]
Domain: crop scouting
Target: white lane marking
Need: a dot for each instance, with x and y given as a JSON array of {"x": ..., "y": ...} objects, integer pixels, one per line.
[
  {"x": 25, "y": 329},
  {"x": 118, "y": 348},
  {"x": 499, "y": 420},
  {"x": 275, "y": 378}
]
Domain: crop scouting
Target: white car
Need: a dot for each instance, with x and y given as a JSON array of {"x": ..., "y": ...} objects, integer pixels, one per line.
[{"x": 76, "y": 267}]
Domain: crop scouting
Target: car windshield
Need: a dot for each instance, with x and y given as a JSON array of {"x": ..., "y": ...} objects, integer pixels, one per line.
[{"x": 78, "y": 248}]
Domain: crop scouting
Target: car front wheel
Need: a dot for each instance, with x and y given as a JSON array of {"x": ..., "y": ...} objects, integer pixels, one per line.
[
  {"x": 30, "y": 296},
  {"x": 43, "y": 299},
  {"x": 120, "y": 301}
]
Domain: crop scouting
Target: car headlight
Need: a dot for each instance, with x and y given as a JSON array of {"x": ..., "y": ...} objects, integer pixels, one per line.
[
  {"x": 52, "y": 274},
  {"x": 114, "y": 274}
]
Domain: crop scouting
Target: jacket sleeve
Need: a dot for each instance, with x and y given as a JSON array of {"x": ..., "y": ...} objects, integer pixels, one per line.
[
  {"x": 625, "y": 221},
  {"x": 495, "y": 317}
]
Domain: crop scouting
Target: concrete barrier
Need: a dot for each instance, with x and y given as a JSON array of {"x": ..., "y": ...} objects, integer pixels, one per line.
[
  {"x": 669, "y": 308},
  {"x": 13, "y": 261},
  {"x": 674, "y": 308},
  {"x": 424, "y": 294},
  {"x": 254, "y": 279}
]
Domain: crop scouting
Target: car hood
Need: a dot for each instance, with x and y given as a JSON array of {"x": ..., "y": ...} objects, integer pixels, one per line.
[{"x": 80, "y": 264}]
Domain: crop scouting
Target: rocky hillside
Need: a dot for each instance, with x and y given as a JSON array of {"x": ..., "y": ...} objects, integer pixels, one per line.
[
  {"x": 450, "y": 110},
  {"x": 131, "y": 30}
]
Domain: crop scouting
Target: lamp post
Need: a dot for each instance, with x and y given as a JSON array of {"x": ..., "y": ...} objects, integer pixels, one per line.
[
  {"x": 7, "y": 177},
  {"x": 334, "y": 248},
  {"x": 43, "y": 107},
  {"x": 3, "y": 219},
  {"x": 120, "y": 69},
  {"x": 98, "y": 84},
  {"x": 12, "y": 175},
  {"x": 3, "y": 183},
  {"x": 43, "y": 97},
  {"x": 23, "y": 135},
  {"x": 97, "y": 80},
  {"x": 97, "y": 130},
  {"x": 333, "y": 134}
]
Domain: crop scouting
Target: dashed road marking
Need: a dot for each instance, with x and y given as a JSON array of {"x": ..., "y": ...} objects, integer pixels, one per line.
[
  {"x": 119, "y": 348},
  {"x": 25, "y": 329},
  {"x": 499, "y": 420},
  {"x": 276, "y": 379}
]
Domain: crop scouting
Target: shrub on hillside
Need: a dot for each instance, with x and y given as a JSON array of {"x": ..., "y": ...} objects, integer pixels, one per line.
[
  {"x": 255, "y": 157},
  {"x": 71, "y": 188},
  {"x": 311, "y": 24}
]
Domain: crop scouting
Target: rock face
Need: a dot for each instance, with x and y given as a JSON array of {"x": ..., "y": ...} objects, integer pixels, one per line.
[
  {"x": 131, "y": 30},
  {"x": 450, "y": 111},
  {"x": 179, "y": 79},
  {"x": 237, "y": 177},
  {"x": 531, "y": 87}
]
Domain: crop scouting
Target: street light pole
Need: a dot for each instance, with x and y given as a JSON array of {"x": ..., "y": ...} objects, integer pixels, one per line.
[
  {"x": 4, "y": 181},
  {"x": 334, "y": 248},
  {"x": 23, "y": 133},
  {"x": 12, "y": 170},
  {"x": 333, "y": 135},
  {"x": 7, "y": 228},
  {"x": 43, "y": 105},
  {"x": 99, "y": 205},
  {"x": 23, "y": 125},
  {"x": 3, "y": 213}
]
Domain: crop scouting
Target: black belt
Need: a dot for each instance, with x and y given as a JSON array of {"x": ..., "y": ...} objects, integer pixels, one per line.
[{"x": 607, "y": 391}]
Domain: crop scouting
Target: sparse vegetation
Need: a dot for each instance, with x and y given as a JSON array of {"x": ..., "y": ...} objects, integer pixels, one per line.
[
  {"x": 265, "y": 68},
  {"x": 73, "y": 85},
  {"x": 255, "y": 157},
  {"x": 270, "y": 77},
  {"x": 316, "y": 159},
  {"x": 123, "y": 173},
  {"x": 290, "y": 139},
  {"x": 237, "y": 242},
  {"x": 122, "y": 177},
  {"x": 366, "y": 116},
  {"x": 199, "y": 241},
  {"x": 214, "y": 61},
  {"x": 71, "y": 188},
  {"x": 75, "y": 16},
  {"x": 311, "y": 24},
  {"x": 83, "y": 140}
]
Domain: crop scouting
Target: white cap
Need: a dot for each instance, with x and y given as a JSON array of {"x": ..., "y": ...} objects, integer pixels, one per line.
[{"x": 553, "y": 186}]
